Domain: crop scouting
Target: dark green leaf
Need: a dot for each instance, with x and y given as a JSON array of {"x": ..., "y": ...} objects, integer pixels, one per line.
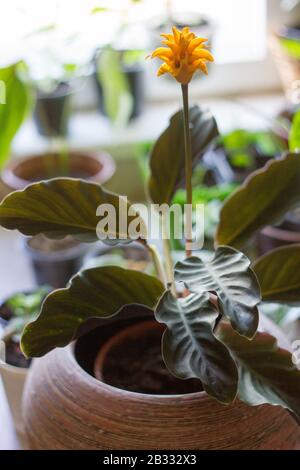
[
  {"x": 190, "y": 348},
  {"x": 228, "y": 275},
  {"x": 60, "y": 207},
  {"x": 98, "y": 292},
  {"x": 167, "y": 158},
  {"x": 13, "y": 109},
  {"x": 262, "y": 200},
  {"x": 266, "y": 372},
  {"x": 279, "y": 274}
]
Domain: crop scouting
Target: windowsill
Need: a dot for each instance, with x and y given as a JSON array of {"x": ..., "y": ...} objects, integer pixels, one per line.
[{"x": 90, "y": 130}]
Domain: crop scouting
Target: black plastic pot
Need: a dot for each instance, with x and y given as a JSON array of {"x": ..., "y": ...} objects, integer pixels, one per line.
[
  {"x": 52, "y": 111},
  {"x": 135, "y": 77},
  {"x": 57, "y": 267}
]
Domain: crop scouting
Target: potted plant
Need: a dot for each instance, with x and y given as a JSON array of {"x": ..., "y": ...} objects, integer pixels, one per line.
[
  {"x": 12, "y": 112},
  {"x": 119, "y": 78},
  {"x": 53, "y": 263},
  {"x": 209, "y": 328},
  {"x": 119, "y": 71},
  {"x": 240, "y": 152},
  {"x": 15, "y": 312},
  {"x": 287, "y": 230}
]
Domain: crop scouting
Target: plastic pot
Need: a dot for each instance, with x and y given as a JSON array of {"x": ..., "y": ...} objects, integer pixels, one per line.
[
  {"x": 52, "y": 111},
  {"x": 55, "y": 268}
]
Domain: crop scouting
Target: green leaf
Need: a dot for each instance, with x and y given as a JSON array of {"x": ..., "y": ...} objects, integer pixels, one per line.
[
  {"x": 167, "y": 161},
  {"x": 262, "y": 200},
  {"x": 13, "y": 108},
  {"x": 266, "y": 372},
  {"x": 190, "y": 348},
  {"x": 118, "y": 100},
  {"x": 292, "y": 47},
  {"x": 279, "y": 275},
  {"x": 294, "y": 137},
  {"x": 228, "y": 274},
  {"x": 93, "y": 293},
  {"x": 63, "y": 206}
]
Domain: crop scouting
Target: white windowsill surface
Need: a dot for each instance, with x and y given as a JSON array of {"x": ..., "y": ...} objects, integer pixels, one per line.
[{"x": 90, "y": 130}]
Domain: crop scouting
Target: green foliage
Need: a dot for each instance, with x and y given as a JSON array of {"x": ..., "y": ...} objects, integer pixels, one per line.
[
  {"x": 61, "y": 207},
  {"x": 25, "y": 308},
  {"x": 291, "y": 46},
  {"x": 205, "y": 194},
  {"x": 266, "y": 372},
  {"x": 294, "y": 137},
  {"x": 278, "y": 274},
  {"x": 99, "y": 292},
  {"x": 198, "y": 342},
  {"x": 14, "y": 110},
  {"x": 189, "y": 347},
  {"x": 167, "y": 157},
  {"x": 240, "y": 143},
  {"x": 237, "y": 287},
  {"x": 262, "y": 200},
  {"x": 117, "y": 97}
]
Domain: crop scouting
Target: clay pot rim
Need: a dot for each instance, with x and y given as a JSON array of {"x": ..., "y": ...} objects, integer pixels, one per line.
[
  {"x": 103, "y": 159},
  {"x": 127, "y": 394},
  {"x": 265, "y": 325}
]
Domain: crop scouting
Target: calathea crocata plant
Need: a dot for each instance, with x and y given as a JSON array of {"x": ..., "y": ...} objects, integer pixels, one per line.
[{"x": 212, "y": 329}]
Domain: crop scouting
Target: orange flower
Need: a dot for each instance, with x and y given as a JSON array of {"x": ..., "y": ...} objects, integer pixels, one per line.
[{"x": 184, "y": 54}]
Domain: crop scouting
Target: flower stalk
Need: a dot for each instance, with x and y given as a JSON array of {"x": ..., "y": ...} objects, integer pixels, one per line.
[{"x": 188, "y": 172}]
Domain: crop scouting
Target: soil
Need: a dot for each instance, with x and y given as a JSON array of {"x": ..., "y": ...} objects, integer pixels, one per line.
[
  {"x": 45, "y": 245},
  {"x": 136, "y": 365}
]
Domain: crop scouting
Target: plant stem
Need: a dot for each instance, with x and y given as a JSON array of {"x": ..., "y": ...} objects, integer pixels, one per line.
[
  {"x": 167, "y": 255},
  {"x": 157, "y": 263},
  {"x": 188, "y": 171}
]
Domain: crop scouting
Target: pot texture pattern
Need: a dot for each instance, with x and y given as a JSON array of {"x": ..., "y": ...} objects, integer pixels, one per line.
[{"x": 66, "y": 408}]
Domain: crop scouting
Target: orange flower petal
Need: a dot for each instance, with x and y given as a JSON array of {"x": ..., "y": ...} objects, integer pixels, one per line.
[
  {"x": 195, "y": 43},
  {"x": 174, "y": 47},
  {"x": 184, "y": 54},
  {"x": 176, "y": 33},
  {"x": 162, "y": 53},
  {"x": 201, "y": 65},
  {"x": 164, "y": 68},
  {"x": 203, "y": 54}
]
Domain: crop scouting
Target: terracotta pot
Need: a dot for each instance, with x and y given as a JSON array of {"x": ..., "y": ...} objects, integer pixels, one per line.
[
  {"x": 65, "y": 407},
  {"x": 93, "y": 167}
]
